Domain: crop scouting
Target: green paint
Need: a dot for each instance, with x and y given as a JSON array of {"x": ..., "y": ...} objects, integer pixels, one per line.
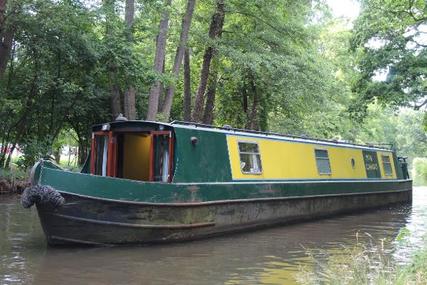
[
  {"x": 154, "y": 192},
  {"x": 397, "y": 166},
  {"x": 371, "y": 164},
  {"x": 206, "y": 161}
]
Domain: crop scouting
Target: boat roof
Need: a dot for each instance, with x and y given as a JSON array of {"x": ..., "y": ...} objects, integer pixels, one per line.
[
  {"x": 141, "y": 124},
  {"x": 279, "y": 136}
]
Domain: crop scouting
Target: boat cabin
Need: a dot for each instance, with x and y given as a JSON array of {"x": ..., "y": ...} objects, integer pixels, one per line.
[
  {"x": 192, "y": 153},
  {"x": 132, "y": 150}
]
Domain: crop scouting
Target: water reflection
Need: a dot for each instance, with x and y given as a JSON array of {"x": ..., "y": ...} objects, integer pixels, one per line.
[{"x": 264, "y": 257}]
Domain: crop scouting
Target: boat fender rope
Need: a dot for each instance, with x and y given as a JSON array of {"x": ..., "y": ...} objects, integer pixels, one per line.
[{"x": 41, "y": 194}]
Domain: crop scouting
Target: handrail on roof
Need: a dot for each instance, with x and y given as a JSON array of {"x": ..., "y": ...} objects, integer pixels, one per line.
[{"x": 229, "y": 128}]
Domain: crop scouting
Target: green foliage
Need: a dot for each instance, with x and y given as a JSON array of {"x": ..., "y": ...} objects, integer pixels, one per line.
[
  {"x": 402, "y": 129},
  {"x": 13, "y": 174},
  {"x": 33, "y": 150},
  {"x": 419, "y": 172},
  {"x": 388, "y": 39},
  {"x": 284, "y": 67}
]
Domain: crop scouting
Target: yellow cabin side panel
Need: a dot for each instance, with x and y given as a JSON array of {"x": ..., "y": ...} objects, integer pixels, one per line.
[
  {"x": 380, "y": 154},
  {"x": 136, "y": 157},
  {"x": 341, "y": 165},
  {"x": 290, "y": 160}
]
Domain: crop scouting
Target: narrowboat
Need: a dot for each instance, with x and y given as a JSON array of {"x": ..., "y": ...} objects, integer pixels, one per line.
[{"x": 150, "y": 182}]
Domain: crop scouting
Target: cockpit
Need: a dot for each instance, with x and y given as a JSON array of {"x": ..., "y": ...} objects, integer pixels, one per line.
[{"x": 134, "y": 150}]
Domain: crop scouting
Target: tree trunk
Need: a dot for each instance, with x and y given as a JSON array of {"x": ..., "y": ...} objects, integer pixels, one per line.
[
  {"x": 3, "y": 149},
  {"x": 129, "y": 18},
  {"x": 208, "y": 115},
  {"x": 57, "y": 155},
  {"x": 115, "y": 102},
  {"x": 252, "y": 118},
  {"x": 187, "y": 86},
  {"x": 215, "y": 31},
  {"x": 130, "y": 103},
  {"x": 82, "y": 151},
  {"x": 116, "y": 106},
  {"x": 6, "y": 38},
  {"x": 245, "y": 101},
  {"x": 9, "y": 157},
  {"x": 185, "y": 28},
  {"x": 2, "y": 14},
  {"x": 210, "y": 94},
  {"x": 159, "y": 60},
  {"x": 130, "y": 94}
]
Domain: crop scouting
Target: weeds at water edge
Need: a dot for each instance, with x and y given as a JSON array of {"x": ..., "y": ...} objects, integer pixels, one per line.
[{"x": 364, "y": 263}]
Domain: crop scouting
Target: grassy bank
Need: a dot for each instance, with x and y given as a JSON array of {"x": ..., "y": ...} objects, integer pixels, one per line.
[
  {"x": 364, "y": 264},
  {"x": 13, "y": 180}
]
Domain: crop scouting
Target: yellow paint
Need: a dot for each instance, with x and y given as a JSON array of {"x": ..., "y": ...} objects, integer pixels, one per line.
[
  {"x": 290, "y": 160},
  {"x": 136, "y": 156},
  {"x": 380, "y": 162}
]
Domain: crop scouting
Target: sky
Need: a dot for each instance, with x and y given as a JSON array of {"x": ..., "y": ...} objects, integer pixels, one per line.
[{"x": 345, "y": 8}]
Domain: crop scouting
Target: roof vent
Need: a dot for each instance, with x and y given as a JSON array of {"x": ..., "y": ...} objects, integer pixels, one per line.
[{"x": 120, "y": 117}]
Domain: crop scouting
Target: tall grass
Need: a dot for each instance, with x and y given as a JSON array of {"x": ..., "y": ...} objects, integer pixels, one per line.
[{"x": 363, "y": 264}]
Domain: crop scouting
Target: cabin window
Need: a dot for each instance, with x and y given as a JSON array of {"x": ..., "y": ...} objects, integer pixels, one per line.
[
  {"x": 250, "y": 158},
  {"x": 322, "y": 161},
  {"x": 387, "y": 165}
]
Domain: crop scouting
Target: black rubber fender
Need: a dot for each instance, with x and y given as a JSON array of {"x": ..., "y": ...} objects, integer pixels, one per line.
[{"x": 41, "y": 194}]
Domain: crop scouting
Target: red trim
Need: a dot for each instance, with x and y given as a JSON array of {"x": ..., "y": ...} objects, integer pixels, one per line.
[
  {"x": 111, "y": 155},
  {"x": 93, "y": 152},
  {"x": 92, "y": 155}
]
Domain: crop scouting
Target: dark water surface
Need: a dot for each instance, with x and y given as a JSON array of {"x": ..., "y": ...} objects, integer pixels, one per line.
[{"x": 271, "y": 256}]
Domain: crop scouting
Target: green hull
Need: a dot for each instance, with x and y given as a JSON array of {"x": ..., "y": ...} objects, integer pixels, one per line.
[{"x": 104, "y": 210}]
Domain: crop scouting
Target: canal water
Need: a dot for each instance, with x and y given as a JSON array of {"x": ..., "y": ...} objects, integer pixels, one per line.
[{"x": 271, "y": 256}]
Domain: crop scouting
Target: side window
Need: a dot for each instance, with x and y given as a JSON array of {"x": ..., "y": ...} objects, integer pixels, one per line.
[
  {"x": 250, "y": 158},
  {"x": 322, "y": 161},
  {"x": 387, "y": 165}
]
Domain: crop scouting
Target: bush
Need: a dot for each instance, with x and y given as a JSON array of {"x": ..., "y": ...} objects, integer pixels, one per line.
[
  {"x": 13, "y": 180},
  {"x": 419, "y": 171}
]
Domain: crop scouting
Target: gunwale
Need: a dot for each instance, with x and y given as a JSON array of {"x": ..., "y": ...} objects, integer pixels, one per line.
[
  {"x": 186, "y": 194},
  {"x": 220, "y": 202}
]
